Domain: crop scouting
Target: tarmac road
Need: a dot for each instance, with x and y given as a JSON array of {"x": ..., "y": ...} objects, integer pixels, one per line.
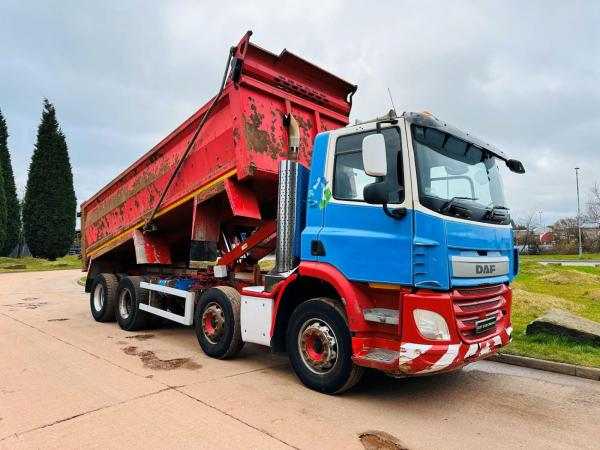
[{"x": 67, "y": 381}]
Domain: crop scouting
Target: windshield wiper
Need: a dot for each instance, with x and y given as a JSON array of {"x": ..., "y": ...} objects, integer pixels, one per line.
[
  {"x": 461, "y": 210},
  {"x": 450, "y": 203},
  {"x": 497, "y": 214}
]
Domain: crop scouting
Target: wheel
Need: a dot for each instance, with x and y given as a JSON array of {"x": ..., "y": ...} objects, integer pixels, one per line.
[
  {"x": 127, "y": 311},
  {"x": 102, "y": 297},
  {"x": 320, "y": 348},
  {"x": 217, "y": 322}
]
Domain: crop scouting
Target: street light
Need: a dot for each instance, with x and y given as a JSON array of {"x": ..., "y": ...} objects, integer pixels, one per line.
[{"x": 578, "y": 212}]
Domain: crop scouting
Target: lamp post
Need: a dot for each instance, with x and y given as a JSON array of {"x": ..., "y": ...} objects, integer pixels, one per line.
[{"x": 578, "y": 212}]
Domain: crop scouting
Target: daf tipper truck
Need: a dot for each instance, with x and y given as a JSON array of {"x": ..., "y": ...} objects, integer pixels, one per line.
[{"x": 392, "y": 240}]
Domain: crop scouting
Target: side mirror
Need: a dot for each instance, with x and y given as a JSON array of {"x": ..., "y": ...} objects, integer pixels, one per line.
[
  {"x": 374, "y": 155},
  {"x": 514, "y": 166}
]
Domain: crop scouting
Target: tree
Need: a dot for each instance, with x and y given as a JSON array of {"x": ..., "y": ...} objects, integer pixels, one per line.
[
  {"x": 526, "y": 233},
  {"x": 593, "y": 210},
  {"x": 50, "y": 205},
  {"x": 2, "y": 210},
  {"x": 13, "y": 208}
]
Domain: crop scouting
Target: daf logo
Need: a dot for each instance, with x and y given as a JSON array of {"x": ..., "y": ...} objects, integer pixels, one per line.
[{"x": 485, "y": 268}]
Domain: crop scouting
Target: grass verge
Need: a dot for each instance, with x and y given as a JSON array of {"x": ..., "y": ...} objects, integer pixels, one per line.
[
  {"x": 32, "y": 264},
  {"x": 540, "y": 288},
  {"x": 585, "y": 256}
]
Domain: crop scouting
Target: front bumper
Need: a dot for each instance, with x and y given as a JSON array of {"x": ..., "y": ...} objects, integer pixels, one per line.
[
  {"x": 420, "y": 359},
  {"x": 423, "y": 359}
]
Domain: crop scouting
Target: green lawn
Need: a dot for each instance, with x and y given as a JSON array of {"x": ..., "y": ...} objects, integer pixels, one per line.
[
  {"x": 595, "y": 256},
  {"x": 539, "y": 288},
  {"x": 31, "y": 264}
]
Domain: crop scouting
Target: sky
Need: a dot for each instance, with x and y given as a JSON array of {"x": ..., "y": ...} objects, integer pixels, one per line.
[{"x": 524, "y": 76}]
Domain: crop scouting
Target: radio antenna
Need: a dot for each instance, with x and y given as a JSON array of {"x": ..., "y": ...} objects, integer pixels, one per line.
[{"x": 391, "y": 99}]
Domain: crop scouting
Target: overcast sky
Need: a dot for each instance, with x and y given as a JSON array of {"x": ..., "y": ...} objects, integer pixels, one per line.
[{"x": 123, "y": 74}]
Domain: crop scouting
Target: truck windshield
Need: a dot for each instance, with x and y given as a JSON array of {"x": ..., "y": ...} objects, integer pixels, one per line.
[{"x": 457, "y": 178}]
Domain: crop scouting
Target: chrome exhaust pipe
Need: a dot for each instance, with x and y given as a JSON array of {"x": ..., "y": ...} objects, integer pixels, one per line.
[{"x": 287, "y": 201}]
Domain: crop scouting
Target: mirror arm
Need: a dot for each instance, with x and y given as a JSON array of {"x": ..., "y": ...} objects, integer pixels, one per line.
[{"x": 396, "y": 213}]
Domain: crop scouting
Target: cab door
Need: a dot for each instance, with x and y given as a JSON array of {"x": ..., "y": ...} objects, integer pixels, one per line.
[{"x": 358, "y": 238}]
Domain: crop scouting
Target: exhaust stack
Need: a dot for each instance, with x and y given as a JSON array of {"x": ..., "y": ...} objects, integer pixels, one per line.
[{"x": 287, "y": 201}]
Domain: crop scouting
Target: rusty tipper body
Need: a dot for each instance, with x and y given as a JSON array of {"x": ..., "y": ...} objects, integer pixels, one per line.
[{"x": 392, "y": 241}]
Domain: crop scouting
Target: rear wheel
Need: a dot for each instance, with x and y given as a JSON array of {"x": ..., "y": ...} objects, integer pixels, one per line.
[
  {"x": 320, "y": 348},
  {"x": 102, "y": 297},
  {"x": 127, "y": 311},
  {"x": 217, "y": 322}
]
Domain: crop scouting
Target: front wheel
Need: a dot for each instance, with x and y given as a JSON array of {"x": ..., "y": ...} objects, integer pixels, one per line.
[{"x": 320, "y": 348}]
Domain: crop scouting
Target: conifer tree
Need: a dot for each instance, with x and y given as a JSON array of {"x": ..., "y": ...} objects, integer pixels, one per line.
[
  {"x": 13, "y": 208},
  {"x": 2, "y": 210},
  {"x": 50, "y": 204}
]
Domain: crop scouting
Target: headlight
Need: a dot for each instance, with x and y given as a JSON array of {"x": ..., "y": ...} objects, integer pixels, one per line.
[{"x": 431, "y": 325}]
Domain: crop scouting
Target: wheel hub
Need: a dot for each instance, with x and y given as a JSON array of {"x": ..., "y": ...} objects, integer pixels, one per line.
[
  {"x": 125, "y": 304},
  {"x": 213, "y": 323},
  {"x": 318, "y": 346},
  {"x": 99, "y": 297}
]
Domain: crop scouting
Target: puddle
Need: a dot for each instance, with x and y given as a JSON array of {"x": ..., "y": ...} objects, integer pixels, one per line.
[
  {"x": 140, "y": 337},
  {"x": 380, "y": 440},
  {"x": 57, "y": 320},
  {"x": 151, "y": 361}
]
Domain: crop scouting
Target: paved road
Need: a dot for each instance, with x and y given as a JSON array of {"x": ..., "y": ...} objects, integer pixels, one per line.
[{"x": 67, "y": 381}]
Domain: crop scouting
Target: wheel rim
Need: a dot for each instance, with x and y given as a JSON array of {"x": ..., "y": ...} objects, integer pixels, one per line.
[
  {"x": 213, "y": 323},
  {"x": 125, "y": 304},
  {"x": 317, "y": 345},
  {"x": 99, "y": 297}
]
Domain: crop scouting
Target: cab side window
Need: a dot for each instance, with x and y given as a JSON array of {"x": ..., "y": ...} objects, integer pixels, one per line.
[{"x": 349, "y": 177}]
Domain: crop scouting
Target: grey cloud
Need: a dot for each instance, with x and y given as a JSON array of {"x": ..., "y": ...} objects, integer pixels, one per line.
[{"x": 523, "y": 75}]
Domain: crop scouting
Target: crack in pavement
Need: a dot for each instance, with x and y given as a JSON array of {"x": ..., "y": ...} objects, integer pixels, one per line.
[
  {"x": 166, "y": 388},
  {"x": 75, "y": 416},
  {"x": 237, "y": 419}
]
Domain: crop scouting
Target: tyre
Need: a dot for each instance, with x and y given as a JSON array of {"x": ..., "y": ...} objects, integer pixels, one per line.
[
  {"x": 127, "y": 311},
  {"x": 103, "y": 297},
  {"x": 319, "y": 346},
  {"x": 217, "y": 322}
]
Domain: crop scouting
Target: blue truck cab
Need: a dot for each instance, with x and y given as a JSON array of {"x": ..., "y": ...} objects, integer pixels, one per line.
[{"x": 409, "y": 214}]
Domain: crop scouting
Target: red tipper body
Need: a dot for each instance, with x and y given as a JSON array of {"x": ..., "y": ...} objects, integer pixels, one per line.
[{"x": 242, "y": 141}]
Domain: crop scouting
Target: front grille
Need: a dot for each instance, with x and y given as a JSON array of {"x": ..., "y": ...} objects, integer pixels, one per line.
[
  {"x": 481, "y": 290},
  {"x": 474, "y": 304}
]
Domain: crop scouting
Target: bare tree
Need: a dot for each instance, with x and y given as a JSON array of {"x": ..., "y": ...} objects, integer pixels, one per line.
[
  {"x": 593, "y": 207},
  {"x": 526, "y": 232}
]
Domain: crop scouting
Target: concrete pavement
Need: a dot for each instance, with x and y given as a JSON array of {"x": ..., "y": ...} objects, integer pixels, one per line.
[{"x": 67, "y": 381}]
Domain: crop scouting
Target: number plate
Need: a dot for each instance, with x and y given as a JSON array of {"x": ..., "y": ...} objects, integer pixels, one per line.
[{"x": 485, "y": 325}]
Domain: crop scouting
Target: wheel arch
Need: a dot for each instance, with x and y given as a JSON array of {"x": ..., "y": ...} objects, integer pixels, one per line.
[{"x": 314, "y": 280}]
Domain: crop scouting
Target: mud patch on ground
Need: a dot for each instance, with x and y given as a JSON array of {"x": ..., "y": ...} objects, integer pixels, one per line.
[
  {"x": 151, "y": 361},
  {"x": 28, "y": 303},
  {"x": 380, "y": 440},
  {"x": 140, "y": 337},
  {"x": 62, "y": 319}
]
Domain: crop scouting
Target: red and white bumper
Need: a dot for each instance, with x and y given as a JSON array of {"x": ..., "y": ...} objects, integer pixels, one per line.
[{"x": 422, "y": 359}]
